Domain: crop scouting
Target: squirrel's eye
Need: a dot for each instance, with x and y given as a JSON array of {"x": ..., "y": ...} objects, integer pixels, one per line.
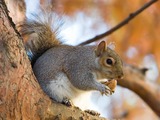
[{"x": 109, "y": 61}]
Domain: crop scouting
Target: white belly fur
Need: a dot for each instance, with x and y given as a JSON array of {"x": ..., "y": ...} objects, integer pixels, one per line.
[{"x": 61, "y": 88}]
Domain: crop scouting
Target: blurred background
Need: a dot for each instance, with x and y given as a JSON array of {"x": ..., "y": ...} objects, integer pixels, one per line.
[{"x": 138, "y": 43}]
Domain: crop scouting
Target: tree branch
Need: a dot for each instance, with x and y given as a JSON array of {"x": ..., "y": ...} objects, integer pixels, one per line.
[
  {"x": 121, "y": 24},
  {"x": 135, "y": 80}
]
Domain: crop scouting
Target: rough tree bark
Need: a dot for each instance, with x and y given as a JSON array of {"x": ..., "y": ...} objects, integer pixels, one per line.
[{"x": 20, "y": 95}]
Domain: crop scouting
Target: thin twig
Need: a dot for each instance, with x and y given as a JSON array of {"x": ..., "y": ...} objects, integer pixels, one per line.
[{"x": 121, "y": 24}]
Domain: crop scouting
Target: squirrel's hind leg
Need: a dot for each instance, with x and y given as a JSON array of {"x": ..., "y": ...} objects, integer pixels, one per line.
[{"x": 60, "y": 90}]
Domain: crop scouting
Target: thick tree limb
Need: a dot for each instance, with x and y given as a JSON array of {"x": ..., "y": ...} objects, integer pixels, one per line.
[
  {"x": 135, "y": 81},
  {"x": 121, "y": 24}
]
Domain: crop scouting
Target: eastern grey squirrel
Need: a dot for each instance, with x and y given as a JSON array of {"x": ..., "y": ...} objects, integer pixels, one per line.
[{"x": 65, "y": 71}]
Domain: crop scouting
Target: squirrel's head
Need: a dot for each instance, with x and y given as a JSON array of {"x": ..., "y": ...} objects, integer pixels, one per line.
[{"x": 109, "y": 62}]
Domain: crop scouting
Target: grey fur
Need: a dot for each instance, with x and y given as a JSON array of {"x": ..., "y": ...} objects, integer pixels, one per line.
[
  {"x": 77, "y": 63},
  {"x": 67, "y": 71}
]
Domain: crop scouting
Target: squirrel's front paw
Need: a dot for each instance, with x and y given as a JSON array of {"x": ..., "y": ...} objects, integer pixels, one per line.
[
  {"x": 106, "y": 90},
  {"x": 67, "y": 102},
  {"x": 111, "y": 84}
]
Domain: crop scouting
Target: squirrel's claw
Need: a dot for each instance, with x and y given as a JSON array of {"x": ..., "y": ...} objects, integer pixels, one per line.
[
  {"x": 112, "y": 85},
  {"x": 67, "y": 102},
  {"x": 106, "y": 91}
]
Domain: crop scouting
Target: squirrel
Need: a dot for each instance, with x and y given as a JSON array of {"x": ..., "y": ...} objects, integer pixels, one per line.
[{"x": 65, "y": 71}]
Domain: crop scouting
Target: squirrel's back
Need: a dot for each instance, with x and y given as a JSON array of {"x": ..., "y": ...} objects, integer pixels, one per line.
[
  {"x": 39, "y": 35},
  {"x": 62, "y": 57}
]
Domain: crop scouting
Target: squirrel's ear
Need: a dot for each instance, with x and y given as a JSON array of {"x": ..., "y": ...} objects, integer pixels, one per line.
[
  {"x": 101, "y": 48},
  {"x": 111, "y": 45}
]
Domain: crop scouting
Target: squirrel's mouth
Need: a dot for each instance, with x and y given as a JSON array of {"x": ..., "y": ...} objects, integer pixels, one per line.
[
  {"x": 116, "y": 78},
  {"x": 110, "y": 79},
  {"x": 106, "y": 80},
  {"x": 103, "y": 80}
]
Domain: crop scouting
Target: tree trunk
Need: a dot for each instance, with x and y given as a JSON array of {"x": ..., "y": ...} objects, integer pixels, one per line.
[{"x": 20, "y": 94}]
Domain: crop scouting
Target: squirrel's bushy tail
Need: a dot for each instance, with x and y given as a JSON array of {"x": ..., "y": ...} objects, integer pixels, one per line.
[{"x": 40, "y": 34}]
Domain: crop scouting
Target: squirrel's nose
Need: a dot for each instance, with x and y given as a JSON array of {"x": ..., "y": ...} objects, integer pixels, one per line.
[{"x": 121, "y": 76}]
